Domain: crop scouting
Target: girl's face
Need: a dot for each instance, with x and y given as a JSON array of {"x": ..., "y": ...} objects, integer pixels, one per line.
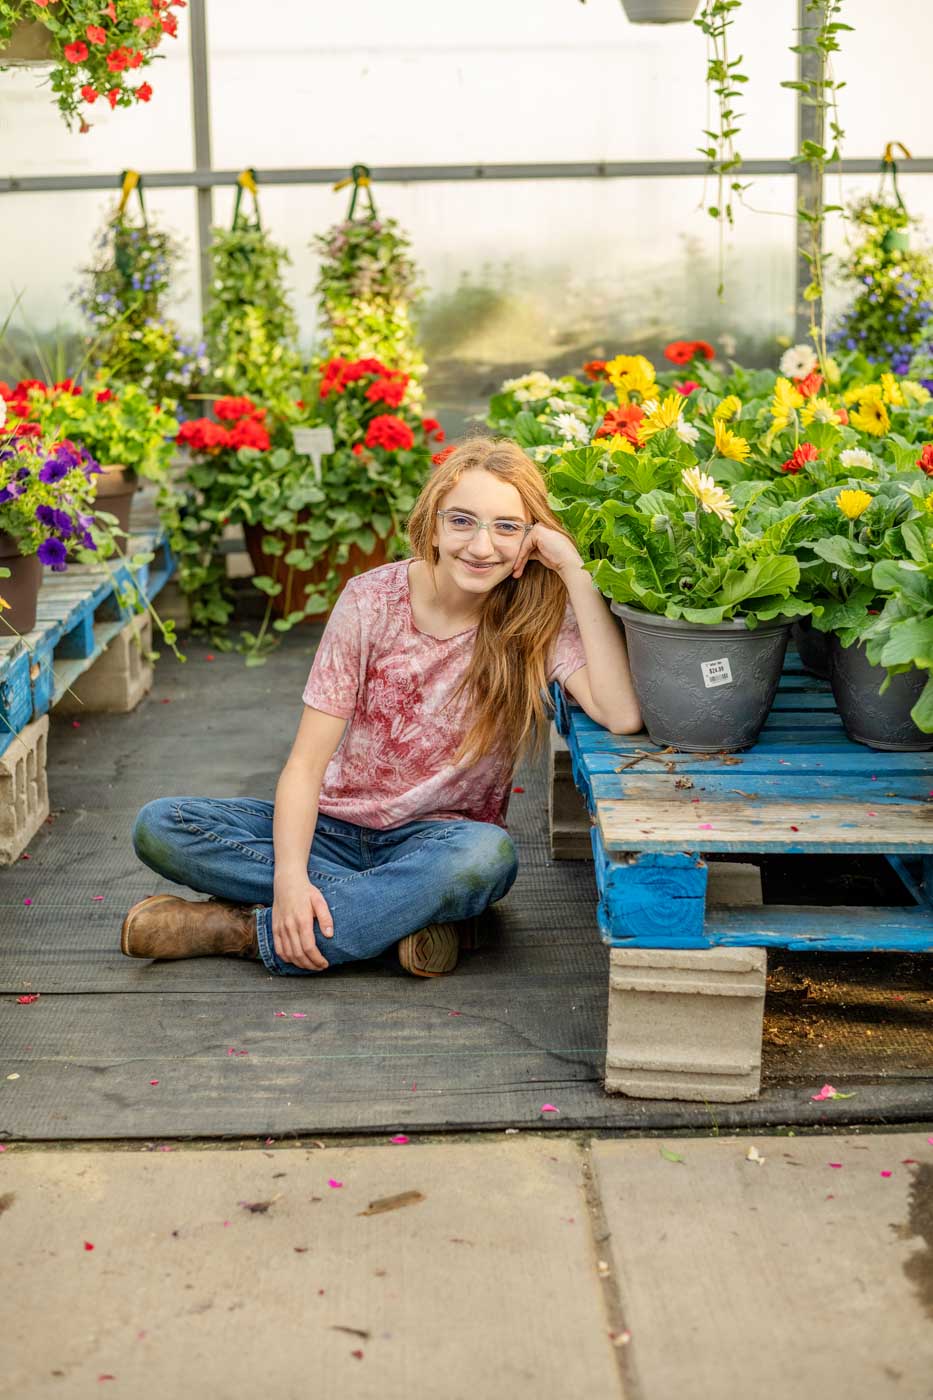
[{"x": 477, "y": 564}]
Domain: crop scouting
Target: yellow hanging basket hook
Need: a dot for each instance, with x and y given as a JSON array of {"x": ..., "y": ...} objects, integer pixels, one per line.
[
  {"x": 888, "y": 157},
  {"x": 130, "y": 181}
]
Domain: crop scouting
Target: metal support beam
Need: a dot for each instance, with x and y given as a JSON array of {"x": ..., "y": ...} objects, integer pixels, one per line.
[
  {"x": 201, "y": 127},
  {"x": 206, "y": 179}
]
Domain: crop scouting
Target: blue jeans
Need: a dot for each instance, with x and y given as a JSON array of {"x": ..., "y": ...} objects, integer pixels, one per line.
[{"x": 379, "y": 885}]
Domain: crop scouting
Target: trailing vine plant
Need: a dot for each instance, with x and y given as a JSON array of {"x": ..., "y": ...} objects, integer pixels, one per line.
[
  {"x": 723, "y": 80},
  {"x": 819, "y": 93}
]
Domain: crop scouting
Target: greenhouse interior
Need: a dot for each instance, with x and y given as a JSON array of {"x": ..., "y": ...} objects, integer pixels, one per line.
[{"x": 466, "y": 610}]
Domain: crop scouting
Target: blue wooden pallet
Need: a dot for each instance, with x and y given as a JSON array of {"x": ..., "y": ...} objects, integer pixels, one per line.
[
  {"x": 77, "y": 616},
  {"x": 803, "y": 789}
]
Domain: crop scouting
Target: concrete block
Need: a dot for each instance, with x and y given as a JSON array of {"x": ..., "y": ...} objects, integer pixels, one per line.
[
  {"x": 732, "y": 884},
  {"x": 24, "y": 790},
  {"x": 172, "y": 605},
  {"x": 568, "y": 819},
  {"x": 119, "y": 678},
  {"x": 685, "y": 1023}
]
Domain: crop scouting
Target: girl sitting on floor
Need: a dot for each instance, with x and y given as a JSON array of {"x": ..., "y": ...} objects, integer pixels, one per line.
[{"x": 429, "y": 683}]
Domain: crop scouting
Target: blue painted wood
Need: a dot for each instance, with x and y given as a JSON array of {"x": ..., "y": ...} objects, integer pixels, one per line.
[
  {"x": 651, "y": 894},
  {"x": 802, "y": 757},
  {"x": 65, "y": 636},
  {"x": 834, "y": 928}
]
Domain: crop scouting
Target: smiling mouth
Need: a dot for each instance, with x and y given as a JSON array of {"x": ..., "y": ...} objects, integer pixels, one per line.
[{"x": 479, "y": 566}]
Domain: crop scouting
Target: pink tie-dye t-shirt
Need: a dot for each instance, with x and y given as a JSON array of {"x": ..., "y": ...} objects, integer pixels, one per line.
[{"x": 394, "y": 684}]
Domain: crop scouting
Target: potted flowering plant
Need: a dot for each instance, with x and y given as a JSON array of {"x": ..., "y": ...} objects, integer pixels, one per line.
[
  {"x": 124, "y": 430},
  {"x": 45, "y": 511},
  {"x": 706, "y": 596},
  {"x": 95, "y": 50}
]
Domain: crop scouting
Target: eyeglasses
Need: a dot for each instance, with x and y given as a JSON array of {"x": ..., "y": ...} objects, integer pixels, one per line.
[{"x": 467, "y": 527}]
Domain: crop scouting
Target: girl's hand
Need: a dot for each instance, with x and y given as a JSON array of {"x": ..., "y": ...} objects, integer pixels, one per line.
[
  {"x": 296, "y": 904},
  {"x": 550, "y": 548}
]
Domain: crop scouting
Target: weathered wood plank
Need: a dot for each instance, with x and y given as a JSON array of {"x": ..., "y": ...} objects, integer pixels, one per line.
[{"x": 799, "y": 927}]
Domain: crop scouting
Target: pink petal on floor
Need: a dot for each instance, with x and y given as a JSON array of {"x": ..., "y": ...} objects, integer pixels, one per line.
[
  {"x": 300, "y": 1015},
  {"x": 268, "y": 1140},
  {"x": 25, "y": 857},
  {"x": 335, "y": 1184},
  {"x": 834, "y": 1164},
  {"x": 826, "y": 1092},
  {"x": 88, "y": 1245},
  {"x": 97, "y": 896},
  {"x": 76, "y": 724},
  {"x": 153, "y": 1081},
  {"x": 549, "y": 1108},
  {"x": 165, "y": 1149},
  {"x": 414, "y": 1087},
  {"x": 280, "y": 1013},
  {"x": 28, "y": 999},
  {"x": 27, "y": 901},
  {"x": 706, "y": 826},
  {"x": 518, "y": 789},
  {"x": 2, "y": 1148},
  {"x": 231, "y": 1051},
  {"x": 873, "y": 814},
  {"x": 400, "y": 1137},
  {"x": 455, "y": 1013},
  {"x": 887, "y": 1173},
  {"x": 909, "y": 1162}
]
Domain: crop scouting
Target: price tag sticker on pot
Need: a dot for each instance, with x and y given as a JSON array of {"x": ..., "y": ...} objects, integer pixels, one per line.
[
  {"x": 315, "y": 443},
  {"x": 716, "y": 672}
]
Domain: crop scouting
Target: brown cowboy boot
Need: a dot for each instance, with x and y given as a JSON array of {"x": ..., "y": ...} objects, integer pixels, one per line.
[
  {"x": 165, "y": 926},
  {"x": 431, "y": 951}
]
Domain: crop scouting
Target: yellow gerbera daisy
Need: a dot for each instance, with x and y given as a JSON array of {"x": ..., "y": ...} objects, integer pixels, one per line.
[
  {"x": 665, "y": 415},
  {"x": 820, "y": 409},
  {"x": 617, "y": 443},
  {"x": 785, "y": 402},
  {"x": 727, "y": 408},
  {"x": 891, "y": 391},
  {"x": 853, "y": 503},
  {"x": 710, "y": 496},
  {"x": 914, "y": 392},
  {"x": 863, "y": 393},
  {"x": 631, "y": 374},
  {"x": 729, "y": 444},
  {"x": 871, "y": 416}
]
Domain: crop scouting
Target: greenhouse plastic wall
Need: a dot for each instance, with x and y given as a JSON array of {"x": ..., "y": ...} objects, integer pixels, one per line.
[{"x": 519, "y": 272}]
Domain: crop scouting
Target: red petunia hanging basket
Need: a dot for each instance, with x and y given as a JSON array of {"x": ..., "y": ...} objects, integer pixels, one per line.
[{"x": 660, "y": 11}]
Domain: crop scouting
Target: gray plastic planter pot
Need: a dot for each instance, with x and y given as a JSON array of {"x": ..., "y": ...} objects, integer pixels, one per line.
[
  {"x": 812, "y": 648},
  {"x": 660, "y": 11},
  {"x": 879, "y": 721},
  {"x": 703, "y": 688}
]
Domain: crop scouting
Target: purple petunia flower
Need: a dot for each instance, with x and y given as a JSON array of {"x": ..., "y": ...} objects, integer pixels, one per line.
[
  {"x": 46, "y": 515},
  {"x": 53, "y": 552},
  {"x": 53, "y": 470},
  {"x": 63, "y": 524},
  {"x": 7, "y": 494},
  {"x": 22, "y": 474}
]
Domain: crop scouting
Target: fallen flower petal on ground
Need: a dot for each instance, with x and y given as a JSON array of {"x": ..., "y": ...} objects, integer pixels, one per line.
[
  {"x": 549, "y": 1108},
  {"x": 28, "y": 999},
  {"x": 153, "y": 1081},
  {"x": 887, "y": 1173},
  {"x": 670, "y": 1156},
  {"x": 400, "y": 1138},
  {"x": 827, "y": 1092},
  {"x": 335, "y": 1184},
  {"x": 88, "y": 1245},
  {"x": 753, "y": 1155},
  {"x": 834, "y": 1164}
]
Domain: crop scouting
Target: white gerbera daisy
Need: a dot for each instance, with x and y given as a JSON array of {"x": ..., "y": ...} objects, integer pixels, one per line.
[
  {"x": 687, "y": 432},
  {"x": 570, "y": 427},
  {"x": 857, "y": 459},
  {"x": 799, "y": 361}
]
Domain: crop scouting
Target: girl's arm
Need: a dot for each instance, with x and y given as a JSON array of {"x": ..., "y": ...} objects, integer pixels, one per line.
[
  {"x": 296, "y": 901},
  {"x": 604, "y": 685}
]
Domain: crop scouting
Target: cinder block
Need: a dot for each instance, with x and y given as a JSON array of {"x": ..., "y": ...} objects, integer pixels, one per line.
[
  {"x": 172, "y": 605},
  {"x": 685, "y": 1023},
  {"x": 24, "y": 790},
  {"x": 568, "y": 819},
  {"x": 120, "y": 676}
]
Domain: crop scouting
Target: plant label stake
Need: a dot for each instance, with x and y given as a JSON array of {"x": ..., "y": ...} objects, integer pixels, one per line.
[{"x": 314, "y": 443}]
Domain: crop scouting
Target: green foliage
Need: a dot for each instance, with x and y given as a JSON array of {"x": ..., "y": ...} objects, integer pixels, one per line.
[
  {"x": 723, "y": 80},
  {"x": 127, "y": 430},
  {"x": 252, "y": 333}
]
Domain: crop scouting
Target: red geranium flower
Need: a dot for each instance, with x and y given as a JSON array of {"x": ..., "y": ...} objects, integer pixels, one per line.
[
  {"x": 431, "y": 427},
  {"x": 389, "y": 391},
  {"x": 390, "y": 433},
  {"x": 89, "y": 94},
  {"x": 6, "y": 393},
  {"x": 232, "y": 408},
  {"x": 595, "y": 369},
  {"x": 249, "y": 433},
  {"x": 27, "y": 430},
  {"x": 444, "y": 453},
  {"x": 77, "y": 52},
  {"x": 624, "y": 420},
  {"x": 810, "y": 384},
  {"x": 203, "y": 435},
  {"x": 687, "y": 387},
  {"x": 95, "y": 34},
  {"x": 68, "y": 386},
  {"x": 25, "y": 386},
  {"x": 925, "y": 460},
  {"x": 357, "y": 449},
  {"x": 806, "y": 452},
  {"x": 104, "y": 395}
]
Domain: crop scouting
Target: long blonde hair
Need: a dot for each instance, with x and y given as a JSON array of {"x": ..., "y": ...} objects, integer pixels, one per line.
[{"x": 521, "y": 617}]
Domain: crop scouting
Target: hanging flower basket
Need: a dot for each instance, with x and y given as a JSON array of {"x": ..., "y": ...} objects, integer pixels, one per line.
[
  {"x": 660, "y": 11},
  {"x": 29, "y": 45}
]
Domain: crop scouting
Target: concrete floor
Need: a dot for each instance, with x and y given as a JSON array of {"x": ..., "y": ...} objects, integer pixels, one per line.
[{"x": 537, "y": 1266}]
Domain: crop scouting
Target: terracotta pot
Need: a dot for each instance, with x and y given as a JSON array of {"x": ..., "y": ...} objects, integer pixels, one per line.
[
  {"x": 294, "y": 581},
  {"x": 115, "y": 488},
  {"x": 30, "y": 45},
  {"x": 20, "y": 590}
]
